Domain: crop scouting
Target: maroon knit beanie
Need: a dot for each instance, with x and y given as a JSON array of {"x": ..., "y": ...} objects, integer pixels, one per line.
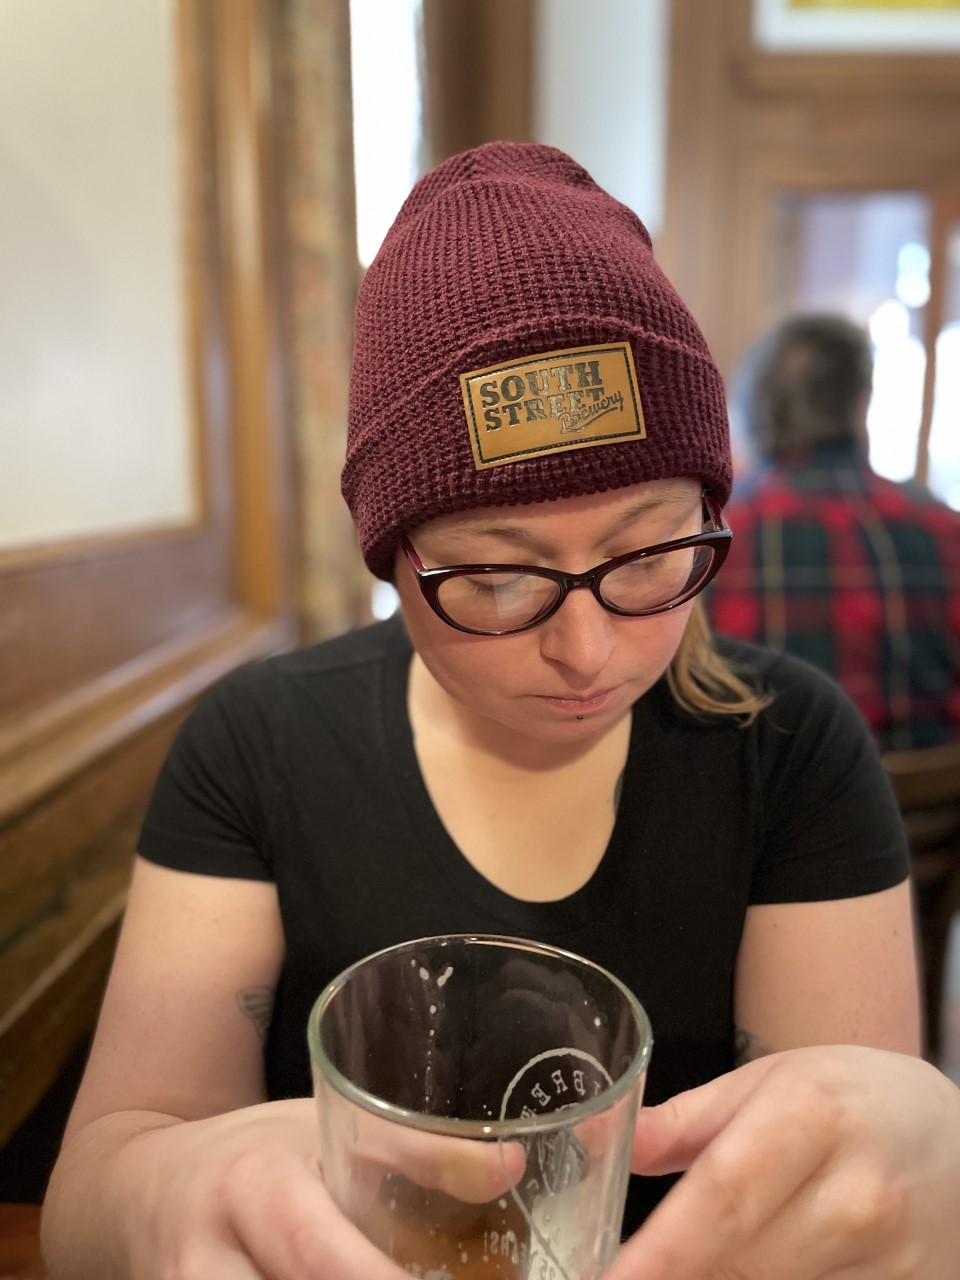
[{"x": 500, "y": 256}]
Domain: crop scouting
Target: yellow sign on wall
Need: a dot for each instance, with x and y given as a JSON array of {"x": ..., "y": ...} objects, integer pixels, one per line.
[
  {"x": 902, "y": 6},
  {"x": 856, "y": 26}
]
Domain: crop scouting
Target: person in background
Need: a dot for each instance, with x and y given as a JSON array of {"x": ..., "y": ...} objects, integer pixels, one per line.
[
  {"x": 547, "y": 743},
  {"x": 829, "y": 561}
]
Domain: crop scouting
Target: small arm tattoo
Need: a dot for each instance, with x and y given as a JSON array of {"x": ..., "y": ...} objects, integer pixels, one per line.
[
  {"x": 256, "y": 1003},
  {"x": 747, "y": 1047}
]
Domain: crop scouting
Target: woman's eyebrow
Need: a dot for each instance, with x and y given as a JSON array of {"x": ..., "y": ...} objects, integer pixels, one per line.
[
  {"x": 514, "y": 535},
  {"x": 518, "y": 535},
  {"x": 645, "y": 505}
]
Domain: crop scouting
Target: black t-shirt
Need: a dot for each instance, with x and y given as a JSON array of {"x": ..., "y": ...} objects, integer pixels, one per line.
[{"x": 301, "y": 769}]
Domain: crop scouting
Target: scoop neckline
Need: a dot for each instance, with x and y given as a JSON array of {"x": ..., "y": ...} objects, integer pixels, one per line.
[{"x": 560, "y": 915}]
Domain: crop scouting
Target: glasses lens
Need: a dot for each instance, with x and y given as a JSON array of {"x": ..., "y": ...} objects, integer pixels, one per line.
[
  {"x": 496, "y": 601},
  {"x": 654, "y": 581}
]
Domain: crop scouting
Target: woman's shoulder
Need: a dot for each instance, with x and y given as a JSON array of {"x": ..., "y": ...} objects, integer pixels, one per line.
[
  {"x": 274, "y": 695},
  {"x": 779, "y": 674},
  {"x": 802, "y": 701},
  {"x": 810, "y": 734},
  {"x": 363, "y": 647}
]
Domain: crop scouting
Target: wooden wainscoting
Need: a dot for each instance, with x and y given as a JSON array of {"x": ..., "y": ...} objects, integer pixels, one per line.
[{"x": 106, "y": 642}]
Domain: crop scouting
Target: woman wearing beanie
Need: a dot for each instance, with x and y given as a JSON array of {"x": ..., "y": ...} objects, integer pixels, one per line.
[{"x": 547, "y": 742}]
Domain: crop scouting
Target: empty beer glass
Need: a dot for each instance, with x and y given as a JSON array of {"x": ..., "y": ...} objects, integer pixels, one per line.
[{"x": 477, "y": 1098}]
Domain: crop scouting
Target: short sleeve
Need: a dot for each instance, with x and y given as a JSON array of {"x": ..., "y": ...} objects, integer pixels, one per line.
[
  {"x": 831, "y": 824},
  {"x": 209, "y": 811}
]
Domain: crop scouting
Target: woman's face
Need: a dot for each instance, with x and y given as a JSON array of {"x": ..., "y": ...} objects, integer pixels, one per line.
[{"x": 577, "y": 674}]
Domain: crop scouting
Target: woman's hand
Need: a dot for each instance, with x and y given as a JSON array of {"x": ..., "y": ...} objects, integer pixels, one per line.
[
  {"x": 234, "y": 1197},
  {"x": 241, "y": 1195},
  {"x": 820, "y": 1162}
]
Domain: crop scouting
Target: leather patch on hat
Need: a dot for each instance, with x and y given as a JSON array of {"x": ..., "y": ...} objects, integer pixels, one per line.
[{"x": 557, "y": 400}]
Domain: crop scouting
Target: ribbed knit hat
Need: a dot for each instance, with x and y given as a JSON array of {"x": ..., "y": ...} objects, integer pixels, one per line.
[{"x": 500, "y": 256}]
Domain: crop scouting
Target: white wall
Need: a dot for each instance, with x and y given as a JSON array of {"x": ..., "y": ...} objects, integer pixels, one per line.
[{"x": 600, "y": 93}]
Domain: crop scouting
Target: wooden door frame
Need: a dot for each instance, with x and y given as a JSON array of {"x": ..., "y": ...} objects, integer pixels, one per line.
[
  {"x": 111, "y": 639},
  {"x": 744, "y": 122}
]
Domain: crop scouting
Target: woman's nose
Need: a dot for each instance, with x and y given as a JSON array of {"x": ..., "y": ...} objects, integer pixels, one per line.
[{"x": 581, "y": 635}]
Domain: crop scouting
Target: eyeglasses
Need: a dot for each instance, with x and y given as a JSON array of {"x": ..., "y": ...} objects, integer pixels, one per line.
[{"x": 502, "y": 599}]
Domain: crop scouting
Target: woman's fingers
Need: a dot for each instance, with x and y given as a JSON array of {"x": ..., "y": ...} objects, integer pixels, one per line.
[
  {"x": 668, "y": 1138},
  {"x": 815, "y": 1164},
  {"x": 292, "y": 1229},
  {"x": 471, "y": 1170},
  {"x": 274, "y": 1207},
  {"x": 743, "y": 1176},
  {"x": 211, "y": 1258}
]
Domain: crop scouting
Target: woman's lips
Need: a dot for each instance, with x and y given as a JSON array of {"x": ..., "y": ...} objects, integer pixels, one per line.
[{"x": 579, "y": 706}]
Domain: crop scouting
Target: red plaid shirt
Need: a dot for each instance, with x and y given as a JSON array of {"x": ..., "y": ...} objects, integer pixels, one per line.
[{"x": 858, "y": 575}]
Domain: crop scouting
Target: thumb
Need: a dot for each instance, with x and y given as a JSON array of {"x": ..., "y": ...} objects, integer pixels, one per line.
[{"x": 668, "y": 1138}]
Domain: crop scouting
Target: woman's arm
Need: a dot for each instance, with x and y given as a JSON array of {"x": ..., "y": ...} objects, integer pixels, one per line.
[
  {"x": 839, "y": 972},
  {"x": 173, "y": 1044},
  {"x": 173, "y": 1036},
  {"x": 238, "y": 1196},
  {"x": 837, "y": 1156},
  {"x": 172, "y": 1166}
]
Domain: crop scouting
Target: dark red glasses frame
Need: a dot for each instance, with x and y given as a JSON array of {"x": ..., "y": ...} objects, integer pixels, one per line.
[{"x": 431, "y": 580}]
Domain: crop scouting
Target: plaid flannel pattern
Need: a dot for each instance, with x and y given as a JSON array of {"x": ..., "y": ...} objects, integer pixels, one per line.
[{"x": 859, "y": 576}]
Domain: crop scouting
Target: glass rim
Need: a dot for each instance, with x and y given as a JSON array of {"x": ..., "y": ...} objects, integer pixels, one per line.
[{"x": 456, "y": 1126}]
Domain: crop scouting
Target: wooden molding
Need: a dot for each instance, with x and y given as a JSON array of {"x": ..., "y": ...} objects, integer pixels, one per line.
[
  {"x": 745, "y": 124},
  {"x": 479, "y": 74},
  {"x": 65, "y": 736},
  {"x": 846, "y": 76},
  {"x": 38, "y": 1032},
  {"x": 248, "y": 159},
  {"x": 105, "y": 643}
]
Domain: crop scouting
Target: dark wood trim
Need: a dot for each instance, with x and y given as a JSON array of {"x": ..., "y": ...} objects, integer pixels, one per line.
[
  {"x": 20, "y": 1242},
  {"x": 106, "y": 642},
  {"x": 53, "y": 1015},
  {"x": 250, "y": 179},
  {"x": 946, "y": 211},
  {"x": 478, "y": 74},
  {"x": 64, "y": 868},
  {"x": 745, "y": 124},
  {"x": 47, "y": 748},
  {"x": 38, "y": 555},
  {"x": 849, "y": 75},
  {"x": 697, "y": 116}
]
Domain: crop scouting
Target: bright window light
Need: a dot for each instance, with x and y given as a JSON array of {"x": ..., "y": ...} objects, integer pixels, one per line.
[
  {"x": 384, "y": 601},
  {"x": 384, "y": 66},
  {"x": 893, "y": 419}
]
